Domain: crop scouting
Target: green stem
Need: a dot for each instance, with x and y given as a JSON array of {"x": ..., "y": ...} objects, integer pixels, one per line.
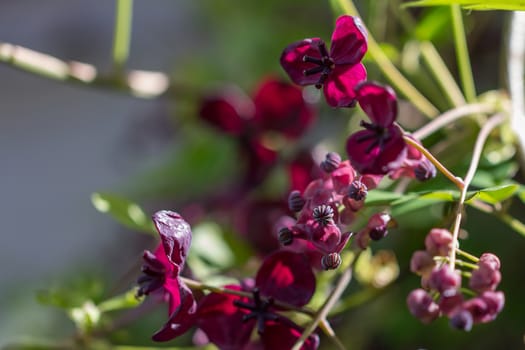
[
  {"x": 122, "y": 34},
  {"x": 440, "y": 167},
  {"x": 389, "y": 70},
  {"x": 462, "y": 55},
  {"x": 467, "y": 255},
  {"x": 441, "y": 73}
]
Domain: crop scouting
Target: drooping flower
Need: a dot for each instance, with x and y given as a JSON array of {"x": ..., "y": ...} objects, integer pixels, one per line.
[
  {"x": 161, "y": 274},
  {"x": 229, "y": 320},
  {"x": 379, "y": 148},
  {"x": 308, "y": 62},
  {"x": 415, "y": 165}
]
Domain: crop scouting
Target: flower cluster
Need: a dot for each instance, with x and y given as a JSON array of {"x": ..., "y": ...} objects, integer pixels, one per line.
[
  {"x": 226, "y": 319},
  {"x": 326, "y": 207},
  {"x": 441, "y": 292}
]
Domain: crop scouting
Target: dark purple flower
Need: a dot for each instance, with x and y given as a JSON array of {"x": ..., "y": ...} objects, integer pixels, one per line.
[
  {"x": 160, "y": 274},
  {"x": 308, "y": 62},
  {"x": 462, "y": 320},
  {"x": 379, "y": 148},
  {"x": 228, "y": 320}
]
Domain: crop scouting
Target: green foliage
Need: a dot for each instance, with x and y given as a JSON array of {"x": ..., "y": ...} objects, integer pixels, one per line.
[
  {"x": 124, "y": 211},
  {"x": 511, "y": 5}
]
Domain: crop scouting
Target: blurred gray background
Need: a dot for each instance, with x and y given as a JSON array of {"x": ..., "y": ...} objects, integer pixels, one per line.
[{"x": 59, "y": 143}]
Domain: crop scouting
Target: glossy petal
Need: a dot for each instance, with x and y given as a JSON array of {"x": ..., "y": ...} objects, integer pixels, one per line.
[
  {"x": 282, "y": 335},
  {"x": 368, "y": 158},
  {"x": 280, "y": 106},
  {"x": 181, "y": 320},
  {"x": 175, "y": 235},
  {"x": 349, "y": 43},
  {"x": 222, "y": 321},
  {"x": 286, "y": 276},
  {"x": 340, "y": 83},
  {"x": 292, "y": 60},
  {"x": 378, "y": 102}
]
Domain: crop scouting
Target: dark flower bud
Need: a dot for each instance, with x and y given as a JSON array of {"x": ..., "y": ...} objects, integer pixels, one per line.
[
  {"x": 424, "y": 170},
  {"x": 422, "y": 306},
  {"x": 378, "y": 233},
  {"x": 285, "y": 236},
  {"x": 323, "y": 214},
  {"x": 331, "y": 162},
  {"x": 296, "y": 201},
  {"x": 450, "y": 305},
  {"x": 462, "y": 320},
  {"x": 357, "y": 190},
  {"x": 331, "y": 261},
  {"x": 445, "y": 281},
  {"x": 495, "y": 302},
  {"x": 439, "y": 242}
]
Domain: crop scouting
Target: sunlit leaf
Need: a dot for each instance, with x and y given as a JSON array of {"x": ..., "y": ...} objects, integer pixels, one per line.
[
  {"x": 124, "y": 211},
  {"x": 494, "y": 195},
  {"x": 86, "y": 317},
  {"x": 513, "y": 5}
]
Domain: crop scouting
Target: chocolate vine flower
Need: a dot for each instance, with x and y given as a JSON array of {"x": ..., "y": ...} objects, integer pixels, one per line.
[
  {"x": 277, "y": 107},
  {"x": 160, "y": 273},
  {"x": 379, "y": 148},
  {"x": 308, "y": 62},
  {"x": 229, "y": 320}
]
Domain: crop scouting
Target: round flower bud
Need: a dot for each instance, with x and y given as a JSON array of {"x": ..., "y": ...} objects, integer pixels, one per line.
[
  {"x": 445, "y": 281},
  {"x": 331, "y": 261},
  {"x": 484, "y": 278},
  {"x": 422, "y": 306},
  {"x": 296, "y": 201},
  {"x": 421, "y": 262},
  {"x": 491, "y": 260},
  {"x": 378, "y": 233},
  {"x": 438, "y": 242},
  {"x": 357, "y": 190},
  {"x": 331, "y": 162},
  {"x": 462, "y": 320},
  {"x": 285, "y": 236}
]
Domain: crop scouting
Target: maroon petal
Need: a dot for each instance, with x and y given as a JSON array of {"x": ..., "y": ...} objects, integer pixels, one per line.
[
  {"x": 222, "y": 114},
  {"x": 369, "y": 157},
  {"x": 182, "y": 319},
  {"x": 286, "y": 276},
  {"x": 222, "y": 321},
  {"x": 292, "y": 60},
  {"x": 379, "y": 102},
  {"x": 340, "y": 83},
  {"x": 173, "y": 293},
  {"x": 175, "y": 235},
  {"x": 348, "y": 41},
  {"x": 280, "y": 106},
  {"x": 282, "y": 335}
]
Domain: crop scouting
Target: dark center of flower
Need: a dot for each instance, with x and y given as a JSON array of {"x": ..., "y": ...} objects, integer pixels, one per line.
[
  {"x": 258, "y": 310},
  {"x": 153, "y": 274},
  {"x": 323, "y": 214},
  {"x": 379, "y": 135},
  {"x": 324, "y": 65}
]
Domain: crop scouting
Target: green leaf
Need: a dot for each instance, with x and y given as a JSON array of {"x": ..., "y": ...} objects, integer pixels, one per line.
[
  {"x": 124, "y": 211},
  {"x": 493, "y": 195},
  {"x": 512, "y": 5},
  {"x": 379, "y": 197}
]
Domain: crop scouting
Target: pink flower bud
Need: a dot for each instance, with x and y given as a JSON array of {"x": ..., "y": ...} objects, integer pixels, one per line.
[
  {"x": 439, "y": 242},
  {"x": 422, "y": 306}
]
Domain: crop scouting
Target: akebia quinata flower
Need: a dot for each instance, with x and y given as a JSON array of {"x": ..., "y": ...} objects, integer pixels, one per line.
[
  {"x": 338, "y": 71},
  {"x": 161, "y": 274},
  {"x": 379, "y": 148},
  {"x": 228, "y": 320}
]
